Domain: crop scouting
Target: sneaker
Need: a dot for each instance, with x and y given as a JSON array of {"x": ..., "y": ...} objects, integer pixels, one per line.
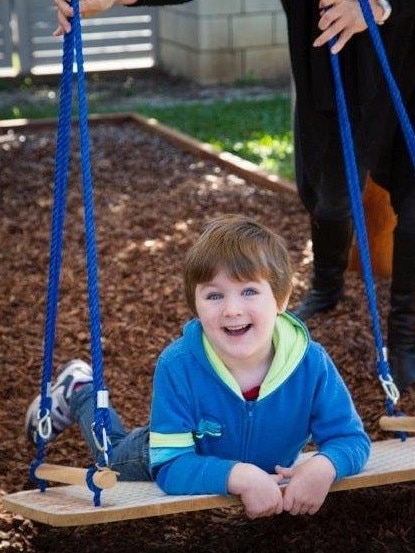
[{"x": 72, "y": 373}]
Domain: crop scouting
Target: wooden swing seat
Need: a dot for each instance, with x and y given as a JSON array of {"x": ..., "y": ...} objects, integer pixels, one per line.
[{"x": 391, "y": 462}]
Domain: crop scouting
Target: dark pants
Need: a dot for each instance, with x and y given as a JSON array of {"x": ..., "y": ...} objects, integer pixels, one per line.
[
  {"x": 324, "y": 193},
  {"x": 323, "y": 189}
]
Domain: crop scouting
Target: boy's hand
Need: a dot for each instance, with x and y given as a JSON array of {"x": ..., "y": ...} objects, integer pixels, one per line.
[
  {"x": 308, "y": 486},
  {"x": 259, "y": 491}
]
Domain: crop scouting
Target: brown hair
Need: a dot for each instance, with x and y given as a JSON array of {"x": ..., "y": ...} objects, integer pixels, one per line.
[{"x": 244, "y": 249}]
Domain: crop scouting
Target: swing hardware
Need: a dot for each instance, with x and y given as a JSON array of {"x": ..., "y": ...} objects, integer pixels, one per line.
[
  {"x": 44, "y": 428},
  {"x": 390, "y": 388},
  {"x": 102, "y": 399},
  {"x": 101, "y": 446}
]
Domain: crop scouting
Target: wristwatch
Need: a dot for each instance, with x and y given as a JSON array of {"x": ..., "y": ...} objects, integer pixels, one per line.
[{"x": 387, "y": 10}]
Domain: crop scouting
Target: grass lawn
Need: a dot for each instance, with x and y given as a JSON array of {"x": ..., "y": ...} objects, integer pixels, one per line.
[{"x": 258, "y": 130}]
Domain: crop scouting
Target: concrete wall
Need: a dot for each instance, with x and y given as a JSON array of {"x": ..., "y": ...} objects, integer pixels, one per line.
[{"x": 222, "y": 41}]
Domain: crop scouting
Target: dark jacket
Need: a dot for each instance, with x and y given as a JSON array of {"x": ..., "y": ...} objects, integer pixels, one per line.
[{"x": 377, "y": 133}]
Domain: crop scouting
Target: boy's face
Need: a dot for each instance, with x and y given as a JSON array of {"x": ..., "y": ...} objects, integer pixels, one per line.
[{"x": 238, "y": 319}]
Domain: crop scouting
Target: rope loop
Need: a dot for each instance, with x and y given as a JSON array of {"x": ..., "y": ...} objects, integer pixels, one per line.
[
  {"x": 91, "y": 485},
  {"x": 32, "y": 473},
  {"x": 391, "y": 411}
]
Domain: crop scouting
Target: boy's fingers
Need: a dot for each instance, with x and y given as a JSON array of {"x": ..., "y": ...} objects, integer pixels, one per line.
[{"x": 284, "y": 472}]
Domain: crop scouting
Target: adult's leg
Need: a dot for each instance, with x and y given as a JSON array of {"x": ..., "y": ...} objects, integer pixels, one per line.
[
  {"x": 331, "y": 244},
  {"x": 130, "y": 450},
  {"x": 325, "y": 195},
  {"x": 401, "y": 318}
]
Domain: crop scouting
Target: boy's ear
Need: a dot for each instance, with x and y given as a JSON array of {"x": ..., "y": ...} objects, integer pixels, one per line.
[{"x": 284, "y": 305}]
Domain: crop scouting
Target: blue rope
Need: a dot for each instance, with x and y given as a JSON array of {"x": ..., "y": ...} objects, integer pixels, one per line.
[
  {"x": 355, "y": 195},
  {"x": 56, "y": 242},
  {"x": 406, "y": 126},
  {"x": 91, "y": 485},
  {"x": 357, "y": 207},
  {"x": 102, "y": 422}
]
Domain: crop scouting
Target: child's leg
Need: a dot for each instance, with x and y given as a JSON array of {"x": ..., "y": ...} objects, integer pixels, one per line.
[{"x": 130, "y": 456}]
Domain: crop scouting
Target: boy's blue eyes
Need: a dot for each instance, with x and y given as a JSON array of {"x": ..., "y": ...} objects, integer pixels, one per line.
[
  {"x": 213, "y": 296},
  {"x": 249, "y": 292},
  {"x": 217, "y": 296}
]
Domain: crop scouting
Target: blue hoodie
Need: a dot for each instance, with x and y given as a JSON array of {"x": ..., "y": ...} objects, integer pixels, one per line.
[{"x": 201, "y": 425}]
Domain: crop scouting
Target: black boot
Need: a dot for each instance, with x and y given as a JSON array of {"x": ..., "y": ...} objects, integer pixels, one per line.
[
  {"x": 331, "y": 245},
  {"x": 401, "y": 320}
]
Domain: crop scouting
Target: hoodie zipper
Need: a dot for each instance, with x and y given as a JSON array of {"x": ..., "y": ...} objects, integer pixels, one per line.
[{"x": 249, "y": 419}]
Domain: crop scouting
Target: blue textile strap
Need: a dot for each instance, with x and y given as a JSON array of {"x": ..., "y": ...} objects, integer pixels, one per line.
[
  {"x": 359, "y": 222},
  {"x": 102, "y": 422}
]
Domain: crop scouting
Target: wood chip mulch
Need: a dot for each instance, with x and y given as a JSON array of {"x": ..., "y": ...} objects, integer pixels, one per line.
[{"x": 151, "y": 202}]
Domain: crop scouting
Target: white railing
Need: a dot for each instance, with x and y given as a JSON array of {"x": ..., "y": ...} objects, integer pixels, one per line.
[{"x": 122, "y": 38}]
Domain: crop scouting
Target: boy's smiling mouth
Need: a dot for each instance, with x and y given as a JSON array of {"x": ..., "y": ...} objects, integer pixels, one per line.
[{"x": 237, "y": 330}]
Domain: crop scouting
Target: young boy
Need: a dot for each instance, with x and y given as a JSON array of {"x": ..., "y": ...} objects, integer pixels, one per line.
[{"x": 238, "y": 396}]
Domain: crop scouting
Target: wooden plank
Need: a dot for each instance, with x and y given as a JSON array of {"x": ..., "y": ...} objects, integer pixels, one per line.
[
  {"x": 397, "y": 424},
  {"x": 105, "y": 478},
  {"x": 391, "y": 462}
]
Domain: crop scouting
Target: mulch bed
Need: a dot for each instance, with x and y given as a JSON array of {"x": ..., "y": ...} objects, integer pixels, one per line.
[{"x": 151, "y": 202}]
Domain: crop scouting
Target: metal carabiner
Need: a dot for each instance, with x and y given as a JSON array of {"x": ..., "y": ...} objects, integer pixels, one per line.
[
  {"x": 390, "y": 388},
  {"x": 102, "y": 447},
  {"x": 44, "y": 427}
]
